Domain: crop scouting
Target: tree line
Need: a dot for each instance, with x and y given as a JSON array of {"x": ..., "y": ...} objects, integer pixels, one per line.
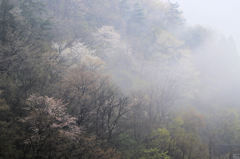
[{"x": 106, "y": 79}]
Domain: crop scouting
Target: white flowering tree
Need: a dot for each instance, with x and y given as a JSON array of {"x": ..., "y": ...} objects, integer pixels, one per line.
[
  {"x": 53, "y": 133},
  {"x": 47, "y": 121}
]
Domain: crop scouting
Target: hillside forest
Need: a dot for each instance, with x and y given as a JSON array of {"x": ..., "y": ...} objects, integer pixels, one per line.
[{"x": 114, "y": 79}]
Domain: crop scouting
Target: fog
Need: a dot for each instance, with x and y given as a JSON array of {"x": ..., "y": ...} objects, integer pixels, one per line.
[
  {"x": 122, "y": 79},
  {"x": 217, "y": 15}
]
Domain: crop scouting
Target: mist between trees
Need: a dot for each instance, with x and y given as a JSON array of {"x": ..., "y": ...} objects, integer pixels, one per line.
[{"x": 122, "y": 79}]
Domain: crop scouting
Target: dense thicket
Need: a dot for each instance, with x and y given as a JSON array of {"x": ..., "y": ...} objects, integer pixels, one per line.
[{"x": 104, "y": 79}]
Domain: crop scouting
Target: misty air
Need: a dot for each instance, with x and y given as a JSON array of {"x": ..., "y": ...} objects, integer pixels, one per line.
[{"x": 119, "y": 79}]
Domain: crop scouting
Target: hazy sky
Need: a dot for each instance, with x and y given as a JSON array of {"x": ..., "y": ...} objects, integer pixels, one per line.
[{"x": 220, "y": 15}]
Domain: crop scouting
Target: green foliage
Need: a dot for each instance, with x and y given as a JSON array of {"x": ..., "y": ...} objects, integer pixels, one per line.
[
  {"x": 111, "y": 79},
  {"x": 127, "y": 146},
  {"x": 154, "y": 154}
]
